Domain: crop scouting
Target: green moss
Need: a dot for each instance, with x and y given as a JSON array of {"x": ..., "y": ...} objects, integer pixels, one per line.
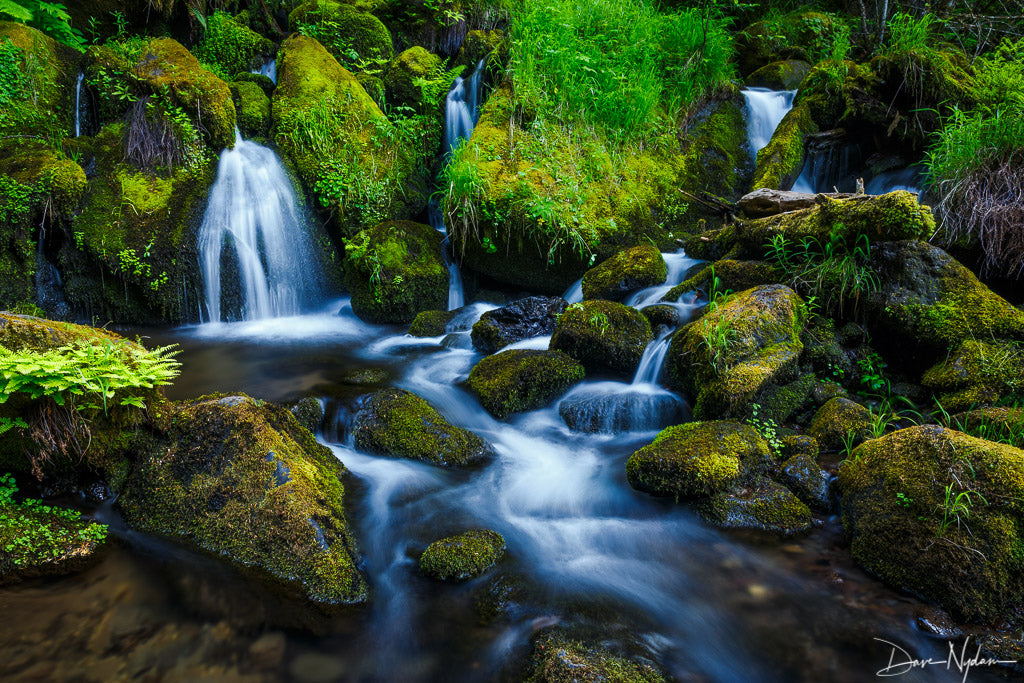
[
  {"x": 994, "y": 368},
  {"x": 840, "y": 419},
  {"x": 785, "y": 74},
  {"x": 898, "y": 490},
  {"x": 807, "y": 33},
  {"x": 430, "y": 323},
  {"x": 402, "y": 74},
  {"x": 603, "y": 335},
  {"x": 625, "y": 272},
  {"x": 232, "y": 46},
  {"x": 759, "y": 506},
  {"x": 241, "y": 479},
  {"x": 695, "y": 459},
  {"x": 394, "y": 271},
  {"x": 754, "y": 380},
  {"x": 465, "y": 556},
  {"x": 1003, "y": 425},
  {"x": 781, "y": 160},
  {"x": 253, "y": 107},
  {"x": 558, "y": 659},
  {"x": 40, "y": 102},
  {"x": 522, "y": 379},
  {"x": 343, "y": 29},
  {"x": 399, "y": 423}
]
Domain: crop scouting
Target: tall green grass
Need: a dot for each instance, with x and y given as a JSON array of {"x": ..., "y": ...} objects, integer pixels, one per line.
[{"x": 615, "y": 65}]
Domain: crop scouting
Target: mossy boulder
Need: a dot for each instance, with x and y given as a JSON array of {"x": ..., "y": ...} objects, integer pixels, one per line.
[
  {"x": 780, "y": 161},
  {"x": 732, "y": 274},
  {"x": 879, "y": 218},
  {"x": 522, "y": 379},
  {"x": 838, "y": 420},
  {"x": 398, "y": 423},
  {"x": 42, "y": 540},
  {"x": 480, "y": 44},
  {"x": 759, "y": 505},
  {"x": 557, "y": 658},
  {"x": 806, "y": 33},
  {"x": 727, "y": 358},
  {"x": 253, "y": 108},
  {"x": 625, "y": 272},
  {"x": 926, "y": 298},
  {"x": 231, "y": 45},
  {"x": 241, "y": 479},
  {"x": 394, "y": 271},
  {"x": 344, "y": 26},
  {"x": 532, "y": 316},
  {"x": 135, "y": 246},
  {"x": 464, "y": 556},
  {"x": 978, "y": 372},
  {"x": 785, "y": 74},
  {"x": 696, "y": 460},
  {"x": 802, "y": 475},
  {"x": 265, "y": 83},
  {"x": 361, "y": 167},
  {"x": 606, "y": 337},
  {"x": 39, "y": 88},
  {"x": 1002, "y": 424},
  {"x": 166, "y": 66},
  {"x": 401, "y": 76},
  {"x": 430, "y": 323},
  {"x": 938, "y": 513}
]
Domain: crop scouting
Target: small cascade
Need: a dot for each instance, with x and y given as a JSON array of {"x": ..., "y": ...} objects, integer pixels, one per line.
[
  {"x": 456, "y": 294},
  {"x": 78, "y": 104},
  {"x": 909, "y": 179},
  {"x": 574, "y": 294},
  {"x": 268, "y": 69},
  {"x": 831, "y": 165},
  {"x": 765, "y": 111},
  {"x": 255, "y": 252},
  {"x": 676, "y": 265},
  {"x": 49, "y": 286},
  {"x": 652, "y": 361}
]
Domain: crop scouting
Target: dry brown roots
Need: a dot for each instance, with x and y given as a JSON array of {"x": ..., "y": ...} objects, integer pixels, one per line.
[
  {"x": 55, "y": 431},
  {"x": 988, "y": 206},
  {"x": 151, "y": 140}
]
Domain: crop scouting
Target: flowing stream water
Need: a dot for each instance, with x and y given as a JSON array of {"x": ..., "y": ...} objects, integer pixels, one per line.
[{"x": 765, "y": 111}]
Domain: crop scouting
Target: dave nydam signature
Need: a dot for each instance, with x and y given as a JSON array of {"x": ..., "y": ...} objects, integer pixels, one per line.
[{"x": 900, "y": 661}]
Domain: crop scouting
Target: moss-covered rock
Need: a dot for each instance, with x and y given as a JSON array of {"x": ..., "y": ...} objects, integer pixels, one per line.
[
  {"x": 232, "y": 46},
  {"x": 939, "y": 513},
  {"x": 606, "y": 337},
  {"x": 802, "y": 475},
  {"x": 927, "y": 297},
  {"x": 358, "y": 164},
  {"x": 881, "y": 218},
  {"x": 342, "y": 27},
  {"x": 394, "y": 271},
  {"x": 401, "y": 76},
  {"x": 490, "y": 45},
  {"x": 732, "y": 274},
  {"x": 464, "y": 556},
  {"x": 532, "y": 316},
  {"x": 166, "y": 66},
  {"x": 696, "y": 459},
  {"x": 760, "y": 505},
  {"x": 662, "y": 315},
  {"x": 265, "y": 83},
  {"x": 430, "y": 323},
  {"x": 755, "y": 380},
  {"x": 522, "y": 379},
  {"x": 253, "y": 108},
  {"x": 838, "y": 420},
  {"x": 241, "y": 479},
  {"x": 808, "y": 34},
  {"x": 559, "y": 659},
  {"x": 785, "y": 74},
  {"x": 1005, "y": 425},
  {"x": 624, "y": 273},
  {"x": 780, "y": 161},
  {"x": 398, "y": 423},
  {"x": 39, "y": 83},
  {"x": 134, "y": 250},
  {"x": 978, "y": 371}
]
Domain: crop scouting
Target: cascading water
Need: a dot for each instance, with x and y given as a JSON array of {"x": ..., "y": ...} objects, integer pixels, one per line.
[
  {"x": 255, "y": 226},
  {"x": 908, "y": 179},
  {"x": 78, "y": 104},
  {"x": 830, "y": 166},
  {"x": 268, "y": 69},
  {"x": 765, "y": 110}
]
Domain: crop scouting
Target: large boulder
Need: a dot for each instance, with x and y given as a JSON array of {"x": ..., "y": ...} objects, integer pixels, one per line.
[
  {"x": 403, "y": 74},
  {"x": 977, "y": 372},
  {"x": 241, "y": 479},
  {"x": 532, "y": 316},
  {"x": 736, "y": 352},
  {"x": 400, "y": 424},
  {"x": 522, "y": 379},
  {"x": 606, "y": 337},
  {"x": 624, "y": 273},
  {"x": 696, "y": 459},
  {"x": 344, "y": 29},
  {"x": 464, "y": 556},
  {"x": 840, "y": 421},
  {"x": 938, "y": 513},
  {"x": 394, "y": 271}
]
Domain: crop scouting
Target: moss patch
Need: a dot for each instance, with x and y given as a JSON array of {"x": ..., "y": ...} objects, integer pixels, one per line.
[
  {"x": 604, "y": 336},
  {"x": 465, "y": 556},
  {"x": 430, "y": 323},
  {"x": 781, "y": 160},
  {"x": 522, "y": 379},
  {"x": 840, "y": 419},
  {"x": 232, "y": 46},
  {"x": 625, "y": 272},
  {"x": 253, "y": 107},
  {"x": 558, "y": 659},
  {"x": 761, "y": 505}
]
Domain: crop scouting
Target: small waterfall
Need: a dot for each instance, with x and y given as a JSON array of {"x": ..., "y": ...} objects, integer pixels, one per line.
[
  {"x": 909, "y": 179},
  {"x": 49, "y": 286},
  {"x": 78, "y": 104},
  {"x": 254, "y": 225},
  {"x": 765, "y": 111},
  {"x": 652, "y": 361},
  {"x": 574, "y": 294},
  {"x": 456, "y": 293},
  {"x": 831, "y": 165},
  {"x": 268, "y": 69}
]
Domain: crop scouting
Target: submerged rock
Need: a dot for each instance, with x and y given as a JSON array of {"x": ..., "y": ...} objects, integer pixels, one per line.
[
  {"x": 522, "y": 379},
  {"x": 399, "y": 423},
  {"x": 696, "y": 459},
  {"x": 620, "y": 411},
  {"x": 464, "y": 556},
  {"x": 430, "y": 323},
  {"x": 604, "y": 336},
  {"x": 533, "y": 316},
  {"x": 838, "y": 420},
  {"x": 759, "y": 505},
  {"x": 241, "y": 479},
  {"x": 624, "y": 273},
  {"x": 937, "y": 512},
  {"x": 558, "y": 659}
]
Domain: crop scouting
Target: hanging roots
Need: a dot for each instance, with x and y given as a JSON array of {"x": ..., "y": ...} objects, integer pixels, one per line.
[
  {"x": 988, "y": 205},
  {"x": 150, "y": 139},
  {"x": 55, "y": 431}
]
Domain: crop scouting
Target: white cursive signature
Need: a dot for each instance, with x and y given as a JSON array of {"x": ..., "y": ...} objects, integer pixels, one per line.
[{"x": 963, "y": 663}]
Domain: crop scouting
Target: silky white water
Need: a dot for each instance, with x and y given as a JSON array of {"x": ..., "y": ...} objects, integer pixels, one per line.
[
  {"x": 765, "y": 111},
  {"x": 78, "y": 104}
]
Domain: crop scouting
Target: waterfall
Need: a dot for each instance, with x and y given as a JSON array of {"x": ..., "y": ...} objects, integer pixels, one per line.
[
  {"x": 908, "y": 179},
  {"x": 765, "y": 110},
  {"x": 268, "y": 69},
  {"x": 653, "y": 359},
  {"x": 461, "y": 111},
  {"x": 254, "y": 224},
  {"x": 78, "y": 104},
  {"x": 574, "y": 294},
  {"x": 830, "y": 165}
]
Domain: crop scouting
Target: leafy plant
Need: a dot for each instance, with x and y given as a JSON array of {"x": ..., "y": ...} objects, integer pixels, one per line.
[
  {"x": 49, "y": 17},
  {"x": 766, "y": 427},
  {"x": 956, "y": 508}
]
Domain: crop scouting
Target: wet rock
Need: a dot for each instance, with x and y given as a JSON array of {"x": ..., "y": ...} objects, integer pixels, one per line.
[
  {"x": 604, "y": 336},
  {"x": 760, "y": 505},
  {"x": 366, "y": 376},
  {"x": 662, "y": 315},
  {"x": 625, "y": 272},
  {"x": 557, "y": 658},
  {"x": 838, "y": 420},
  {"x": 1004, "y": 648},
  {"x": 309, "y": 413},
  {"x": 499, "y": 598},
  {"x": 533, "y": 316},
  {"x": 785, "y": 74},
  {"x": 809, "y": 482},
  {"x": 399, "y": 423},
  {"x": 430, "y": 323},
  {"x": 522, "y": 379},
  {"x": 621, "y": 411},
  {"x": 923, "y": 505},
  {"x": 936, "y": 623},
  {"x": 696, "y": 459},
  {"x": 798, "y": 444},
  {"x": 464, "y": 556}
]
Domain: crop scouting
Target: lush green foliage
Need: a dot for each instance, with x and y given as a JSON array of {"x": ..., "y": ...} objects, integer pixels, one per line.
[
  {"x": 229, "y": 47},
  {"x": 12, "y": 80},
  {"x": 49, "y": 17}
]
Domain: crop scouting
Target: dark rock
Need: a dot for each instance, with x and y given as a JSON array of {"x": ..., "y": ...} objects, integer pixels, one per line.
[
  {"x": 809, "y": 482},
  {"x": 533, "y": 316}
]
